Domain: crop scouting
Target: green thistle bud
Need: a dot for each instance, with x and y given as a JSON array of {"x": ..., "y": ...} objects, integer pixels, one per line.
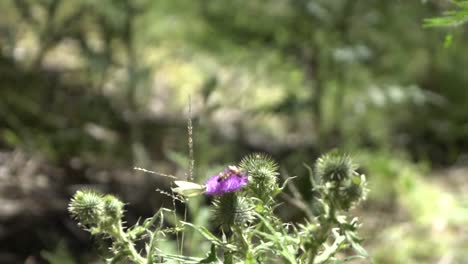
[
  {"x": 232, "y": 210},
  {"x": 354, "y": 191},
  {"x": 87, "y": 206},
  {"x": 349, "y": 193},
  {"x": 263, "y": 176},
  {"x": 357, "y": 190},
  {"x": 113, "y": 207},
  {"x": 344, "y": 187},
  {"x": 334, "y": 167}
]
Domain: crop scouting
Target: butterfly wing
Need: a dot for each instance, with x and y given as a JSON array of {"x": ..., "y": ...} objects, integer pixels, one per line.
[{"x": 188, "y": 189}]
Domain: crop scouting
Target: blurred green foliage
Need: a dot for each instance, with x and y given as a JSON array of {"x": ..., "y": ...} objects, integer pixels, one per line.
[
  {"x": 107, "y": 83},
  {"x": 332, "y": 72},
  {"x": 457, "y": 16}
]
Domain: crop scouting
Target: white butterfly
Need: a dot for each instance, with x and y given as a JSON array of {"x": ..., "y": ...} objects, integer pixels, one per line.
[{"x": 188, "y": 189}]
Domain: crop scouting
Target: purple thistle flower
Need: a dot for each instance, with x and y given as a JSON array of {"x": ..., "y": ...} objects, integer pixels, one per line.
[{"x": 230, "y": 179}]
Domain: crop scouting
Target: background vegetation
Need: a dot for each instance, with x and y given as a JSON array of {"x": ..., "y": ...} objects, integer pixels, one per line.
[{"x": 91, "y": 89}]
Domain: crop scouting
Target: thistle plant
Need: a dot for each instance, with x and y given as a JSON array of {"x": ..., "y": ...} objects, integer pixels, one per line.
[{"x": 245, "y": 227}]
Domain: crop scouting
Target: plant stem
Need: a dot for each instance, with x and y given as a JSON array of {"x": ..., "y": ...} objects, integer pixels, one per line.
[
  {"x": 326, "y": 225},
  {"x": 134, "y": 255},
  {"x": 151, "y": 247}
]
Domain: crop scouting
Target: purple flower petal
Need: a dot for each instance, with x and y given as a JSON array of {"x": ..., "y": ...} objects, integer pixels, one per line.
[{"x": 229, "y": 180}]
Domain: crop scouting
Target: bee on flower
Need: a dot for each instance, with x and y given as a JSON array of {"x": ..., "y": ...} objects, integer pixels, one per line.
[{"x": 229, "y": 180}]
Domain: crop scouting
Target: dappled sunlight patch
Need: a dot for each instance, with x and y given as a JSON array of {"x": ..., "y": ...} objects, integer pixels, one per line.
[{"x": 427, "y": 221}]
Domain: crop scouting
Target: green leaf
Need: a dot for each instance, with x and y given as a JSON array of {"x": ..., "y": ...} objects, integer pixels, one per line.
[
  {"x": 286, "y": 182},
  {"x": 347, "y": 259},
  {"x": 280, "y": 239},
  {"x": 450, "y": 18},
  {"x": 448, "y": 41},
  {"x": 250, "y": 258},
  {"x": 330, "y": 251},
  {"x": 311, "y": 175},
  {"x": 354, "y": 240},
  {"x": 228, "y": 258},
  {"x": 212, "y": 238},
  {"x": 180, "y": 259},
  {"x": 211, "y": 256},
  {"x": 117, "y": 258}
]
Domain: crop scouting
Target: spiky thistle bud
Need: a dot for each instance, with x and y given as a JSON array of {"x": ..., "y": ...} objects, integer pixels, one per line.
[
  {"x": 113, "y": 207},
  {"x": 87, "y": 206},
  {"x": 231, "y": 210},
  {"x": 334, "y": 167},
  {"x": 343, "y": 186},
  {"x": 263, "y": 174},
  {"x": 352, "y": 191}
]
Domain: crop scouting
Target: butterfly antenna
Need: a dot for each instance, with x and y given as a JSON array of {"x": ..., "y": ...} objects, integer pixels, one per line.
[{"x": 155, "y": 172}]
